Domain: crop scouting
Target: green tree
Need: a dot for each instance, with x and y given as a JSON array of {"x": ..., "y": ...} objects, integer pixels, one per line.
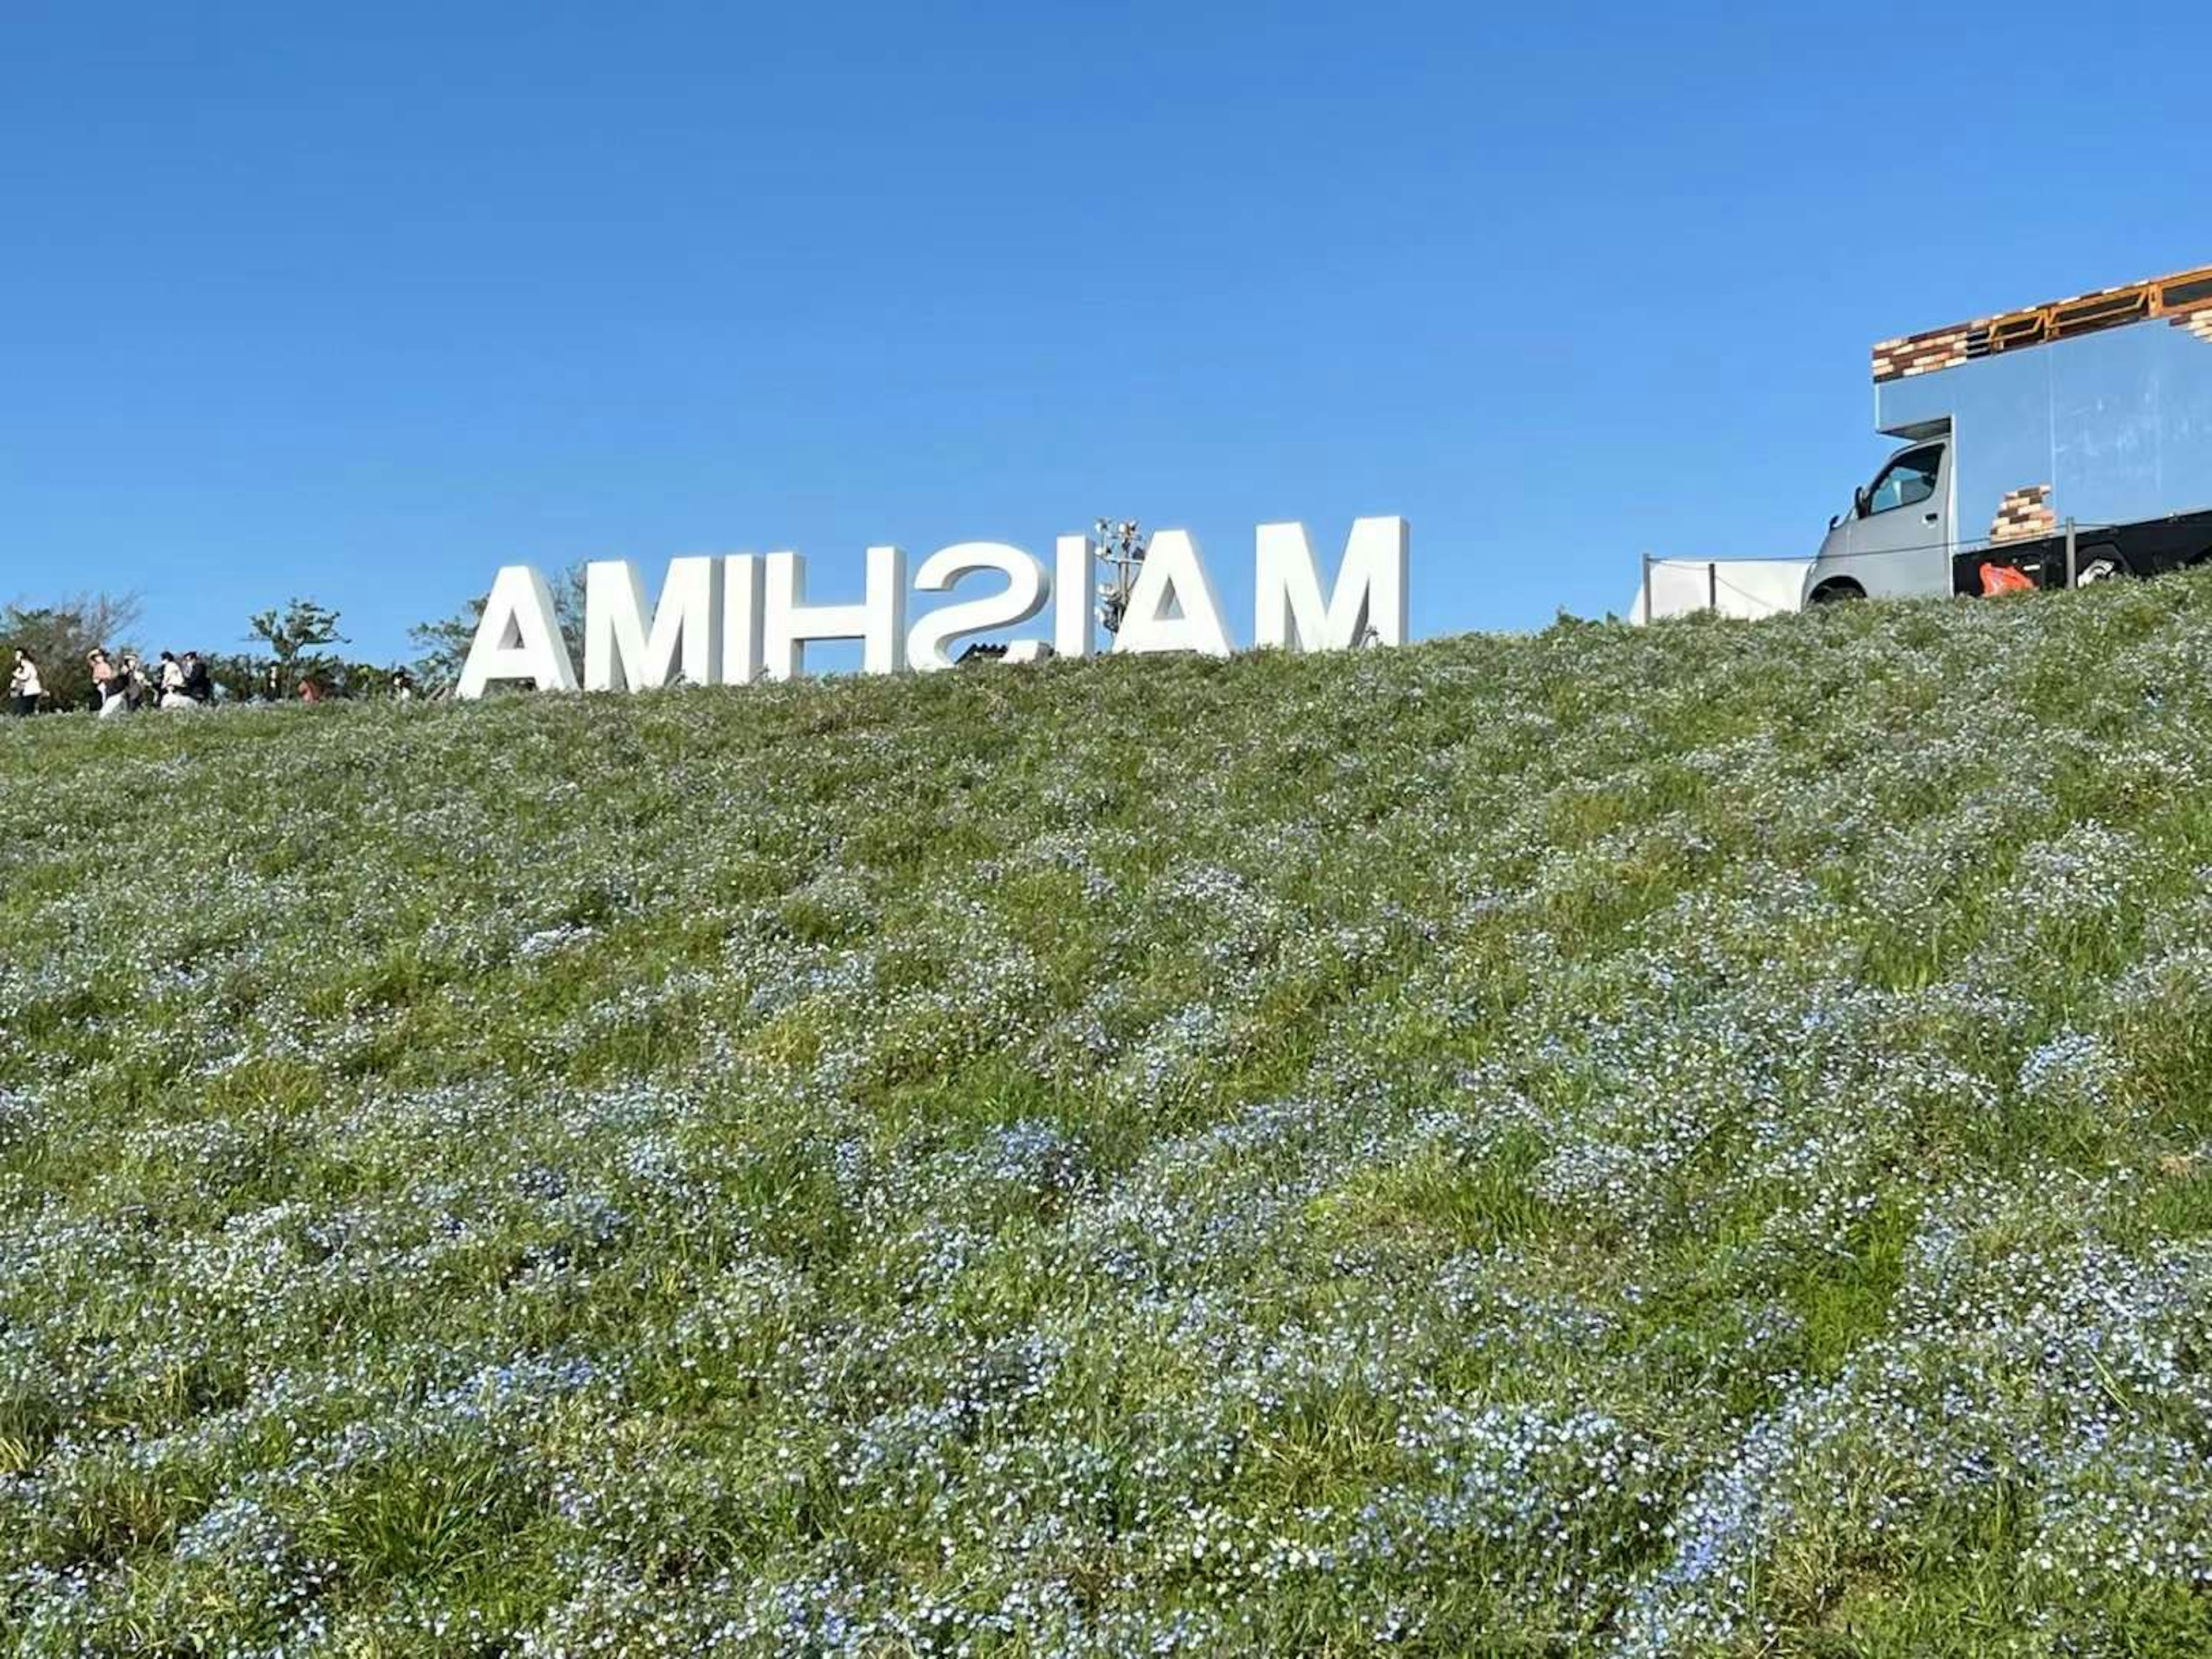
[
  {"x": 362, "y": 679},
  {"x": 239, "y": 677},
  {"x": 293, "y": 635}
]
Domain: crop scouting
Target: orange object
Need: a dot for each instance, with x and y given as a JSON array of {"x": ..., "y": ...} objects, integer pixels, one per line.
[{"x": 2004, "y": 579}]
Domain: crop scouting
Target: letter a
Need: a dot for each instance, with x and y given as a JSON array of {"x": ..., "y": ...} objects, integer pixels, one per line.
[
  {"x": 518, "y": 637},
  {"x": 1172, "y": 573}
]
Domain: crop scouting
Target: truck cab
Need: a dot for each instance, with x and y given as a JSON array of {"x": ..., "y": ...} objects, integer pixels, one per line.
[{"x": 1896, "y": 539}]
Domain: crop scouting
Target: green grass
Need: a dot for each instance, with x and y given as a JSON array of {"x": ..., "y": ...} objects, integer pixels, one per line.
[{"x": 1687, "y": 1140}]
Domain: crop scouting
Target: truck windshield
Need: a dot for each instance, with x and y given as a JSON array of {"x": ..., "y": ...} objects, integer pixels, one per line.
[{"x": 1910, "y": 478}]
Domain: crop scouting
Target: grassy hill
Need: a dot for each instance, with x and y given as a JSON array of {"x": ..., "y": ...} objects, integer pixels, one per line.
[{"x": 1669, "y": 1142}]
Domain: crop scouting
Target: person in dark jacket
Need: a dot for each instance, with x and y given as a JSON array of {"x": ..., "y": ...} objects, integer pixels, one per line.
[{"x": 137, "y": 690}]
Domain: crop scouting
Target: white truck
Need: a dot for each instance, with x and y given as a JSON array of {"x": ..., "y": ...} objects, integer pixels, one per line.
[{"x": 2068, "y": 442}]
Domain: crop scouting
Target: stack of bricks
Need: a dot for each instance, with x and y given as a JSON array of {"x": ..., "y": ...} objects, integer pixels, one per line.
[
  {"x": 1920, "y": 354},
  {"x": 2198, "y": 323},
  {"x": 2023, "y": 514}
]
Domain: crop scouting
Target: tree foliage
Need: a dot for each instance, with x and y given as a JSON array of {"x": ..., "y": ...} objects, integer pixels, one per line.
[{"x": 294, "y": 636}]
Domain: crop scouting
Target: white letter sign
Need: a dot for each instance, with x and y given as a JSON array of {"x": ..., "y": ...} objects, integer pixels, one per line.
[
  {"x": 518, "y": 637},
  {"x": 729, "y": 620},
  {"x": 1370, "y": 593},
  {"x": 878, "y": 622},
  {"x": 1172, "y": 606},
  {"x": 741, "y": 619},
  {"x": 1022, "y": 597},
  {"x": 619, "y": 656}
]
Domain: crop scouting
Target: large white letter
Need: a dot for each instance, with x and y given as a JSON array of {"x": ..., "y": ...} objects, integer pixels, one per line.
[
  {"x": 1071, "y": 605},
  {"x": 686, "y": 626},
  {"x": 1071, "y": 624},
  {"x": 1172, "y": 573},
  {"x": 518, "y": 637},
  {"x": 879, "y": 620},
  {"x": 741, "y": 619},
  {"x": 1370, "y": 593},
  {"x": 1022, "y": 597}
]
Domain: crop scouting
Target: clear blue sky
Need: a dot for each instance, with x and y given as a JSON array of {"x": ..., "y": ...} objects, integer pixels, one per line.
[{"x": 364, "y": 306}]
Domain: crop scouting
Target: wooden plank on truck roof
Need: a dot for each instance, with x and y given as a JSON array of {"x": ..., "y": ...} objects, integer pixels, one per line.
[{"x": 2182, "y": 296}]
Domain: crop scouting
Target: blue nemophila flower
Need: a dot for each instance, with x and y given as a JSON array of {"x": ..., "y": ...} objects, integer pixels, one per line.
[{"x": 1648, "y": 1142}]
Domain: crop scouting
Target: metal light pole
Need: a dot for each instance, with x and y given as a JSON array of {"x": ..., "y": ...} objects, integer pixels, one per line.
[{"x": 1121, "y": 546}]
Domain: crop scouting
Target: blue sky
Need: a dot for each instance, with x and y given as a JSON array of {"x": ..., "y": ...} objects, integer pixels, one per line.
[{"x": 363, "y": 305}]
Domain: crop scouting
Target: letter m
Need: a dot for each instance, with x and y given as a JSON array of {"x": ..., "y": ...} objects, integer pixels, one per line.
[
  {"x": 621, "y": 655},
  {"x": 1367, "y": 605}
]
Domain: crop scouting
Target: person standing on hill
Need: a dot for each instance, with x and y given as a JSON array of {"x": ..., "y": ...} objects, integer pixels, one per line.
[
  {"x": 172, "y": 686},
  {"x": 106, "y": 684},
  {"x": 137, "y": 690},
  {"x": 24, "y": 687},
  {"x": 197, "y": 686}
]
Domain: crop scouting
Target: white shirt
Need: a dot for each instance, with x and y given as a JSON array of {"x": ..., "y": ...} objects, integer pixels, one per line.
[{"x": 25, "y": 679}]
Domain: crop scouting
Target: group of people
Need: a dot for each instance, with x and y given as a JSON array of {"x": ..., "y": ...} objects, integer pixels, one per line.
[
  {"x": 124, "y": 683},
  {"x": 121, "y": 685}
]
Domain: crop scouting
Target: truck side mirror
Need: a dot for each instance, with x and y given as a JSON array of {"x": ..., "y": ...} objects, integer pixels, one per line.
[{"x": 1862, "y": 501}]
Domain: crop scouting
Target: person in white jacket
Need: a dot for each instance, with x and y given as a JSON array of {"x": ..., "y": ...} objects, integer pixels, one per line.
[
  {"x": 172, "y": 694},
  {"x": 24, "y": 686}
]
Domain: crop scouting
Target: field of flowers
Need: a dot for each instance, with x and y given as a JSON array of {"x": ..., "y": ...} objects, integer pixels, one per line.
[{"x": 1683, "y": 1141}]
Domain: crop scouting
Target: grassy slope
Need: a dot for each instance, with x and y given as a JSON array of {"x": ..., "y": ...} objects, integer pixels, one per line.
[{"x": 1665, "y": 1141}]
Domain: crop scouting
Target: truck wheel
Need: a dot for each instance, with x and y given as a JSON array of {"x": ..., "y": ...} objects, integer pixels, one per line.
[
  {"x": 1837, "y": 592},
  {"x": 2099, "y": 566}
]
